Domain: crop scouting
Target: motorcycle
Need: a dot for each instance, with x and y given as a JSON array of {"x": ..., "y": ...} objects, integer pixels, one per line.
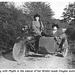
[{"x": 47, "y": 45}]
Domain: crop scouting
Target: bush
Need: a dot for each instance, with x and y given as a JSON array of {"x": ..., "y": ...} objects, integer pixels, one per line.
[
  {"x": 70, "y": 32},
  {"x": 11, "y": 22}
]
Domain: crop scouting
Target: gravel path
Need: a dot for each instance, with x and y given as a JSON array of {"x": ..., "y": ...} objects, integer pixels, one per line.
[{"x": 48, "y": 62}]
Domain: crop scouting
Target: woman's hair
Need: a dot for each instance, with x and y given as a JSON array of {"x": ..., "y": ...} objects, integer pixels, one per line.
[
  {"x": 36, "y": 15},
  {"x": 55, "y": 25}
]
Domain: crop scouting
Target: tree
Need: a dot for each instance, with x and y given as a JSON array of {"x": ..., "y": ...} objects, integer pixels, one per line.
[
  {"x": 69, "y": 16},
  {"x": 69, "y": 13},
  {"x": 42, "y": 8},
  {"x": 11, "y": 22}
]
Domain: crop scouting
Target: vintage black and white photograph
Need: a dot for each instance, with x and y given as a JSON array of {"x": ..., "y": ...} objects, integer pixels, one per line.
[{"x": 37, "y": 34}]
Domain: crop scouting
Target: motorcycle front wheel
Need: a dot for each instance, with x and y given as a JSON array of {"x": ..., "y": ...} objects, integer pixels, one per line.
[{"x": 19, "y": 51}]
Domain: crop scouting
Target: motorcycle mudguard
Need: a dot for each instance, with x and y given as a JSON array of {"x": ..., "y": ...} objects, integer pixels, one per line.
[{"x": 48, "y": 43}]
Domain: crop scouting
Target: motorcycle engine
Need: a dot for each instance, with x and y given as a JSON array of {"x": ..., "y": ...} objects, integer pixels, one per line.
[{"x": 30, "y": 38}]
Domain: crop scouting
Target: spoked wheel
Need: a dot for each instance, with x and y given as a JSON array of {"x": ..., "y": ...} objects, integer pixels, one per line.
[
  {"x": 64, "y": 53},
  {"x": 19, "y": 51},
  {"x": 65, "y": 49}
]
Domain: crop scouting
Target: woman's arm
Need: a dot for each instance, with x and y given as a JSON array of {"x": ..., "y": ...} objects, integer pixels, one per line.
[{"x": 42, "y": 26}]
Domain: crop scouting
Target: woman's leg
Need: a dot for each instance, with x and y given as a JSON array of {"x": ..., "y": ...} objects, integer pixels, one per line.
[{"x": 37, "y": 43}]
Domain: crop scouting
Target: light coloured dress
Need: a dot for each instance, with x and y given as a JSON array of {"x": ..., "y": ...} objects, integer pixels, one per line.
[{"x": 37, "y": 26}]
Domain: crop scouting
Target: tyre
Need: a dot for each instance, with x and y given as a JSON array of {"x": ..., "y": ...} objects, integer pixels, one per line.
[
  {"x": 19, "y": 50},
  {"x": 65, "y": 49},
  {"x": 64, "y": 53}
]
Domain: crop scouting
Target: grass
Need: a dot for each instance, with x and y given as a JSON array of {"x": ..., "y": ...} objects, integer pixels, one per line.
[{"x": 71, "y": 55}]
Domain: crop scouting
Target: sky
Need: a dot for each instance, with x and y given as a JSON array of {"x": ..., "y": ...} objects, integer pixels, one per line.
[{"x": 57, "y": 6}]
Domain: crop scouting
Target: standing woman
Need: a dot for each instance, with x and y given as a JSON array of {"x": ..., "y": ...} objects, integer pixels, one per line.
[{"x": 38, "y": 27}]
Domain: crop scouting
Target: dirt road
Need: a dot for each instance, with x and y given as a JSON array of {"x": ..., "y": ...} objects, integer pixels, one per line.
[{"x": 34, "y": 62}]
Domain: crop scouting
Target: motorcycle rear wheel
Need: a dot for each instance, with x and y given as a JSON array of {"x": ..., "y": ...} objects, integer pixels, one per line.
[
  {"x": 65, "y": 49},
  {"x": 65, "y": 52}
]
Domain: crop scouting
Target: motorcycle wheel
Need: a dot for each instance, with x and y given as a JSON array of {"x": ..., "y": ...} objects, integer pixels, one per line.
[
  {"x": 64, "y": 53},
  {"x": 65, "y": 49},
  {"x": 19, "y": 51}
]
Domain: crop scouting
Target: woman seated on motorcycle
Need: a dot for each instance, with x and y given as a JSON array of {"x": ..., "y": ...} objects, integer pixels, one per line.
[
  {"x": 38, "y": 28},
  {"x": 59, "y": 36}
]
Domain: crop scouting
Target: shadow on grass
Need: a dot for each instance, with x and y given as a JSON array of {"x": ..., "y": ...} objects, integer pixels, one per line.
[
  {"x": 59, "y": 55},
  {"x": 8, "y": 56}
]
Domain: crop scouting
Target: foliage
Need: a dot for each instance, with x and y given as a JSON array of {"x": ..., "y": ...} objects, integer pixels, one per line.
[
  {"x": 70, "y": 32},
  {"x": 41, "y": 8},
  {"x": 69, "y": 17},
  {"x": 69, "y": 13},
  {"x": 11, "y": 22}
]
